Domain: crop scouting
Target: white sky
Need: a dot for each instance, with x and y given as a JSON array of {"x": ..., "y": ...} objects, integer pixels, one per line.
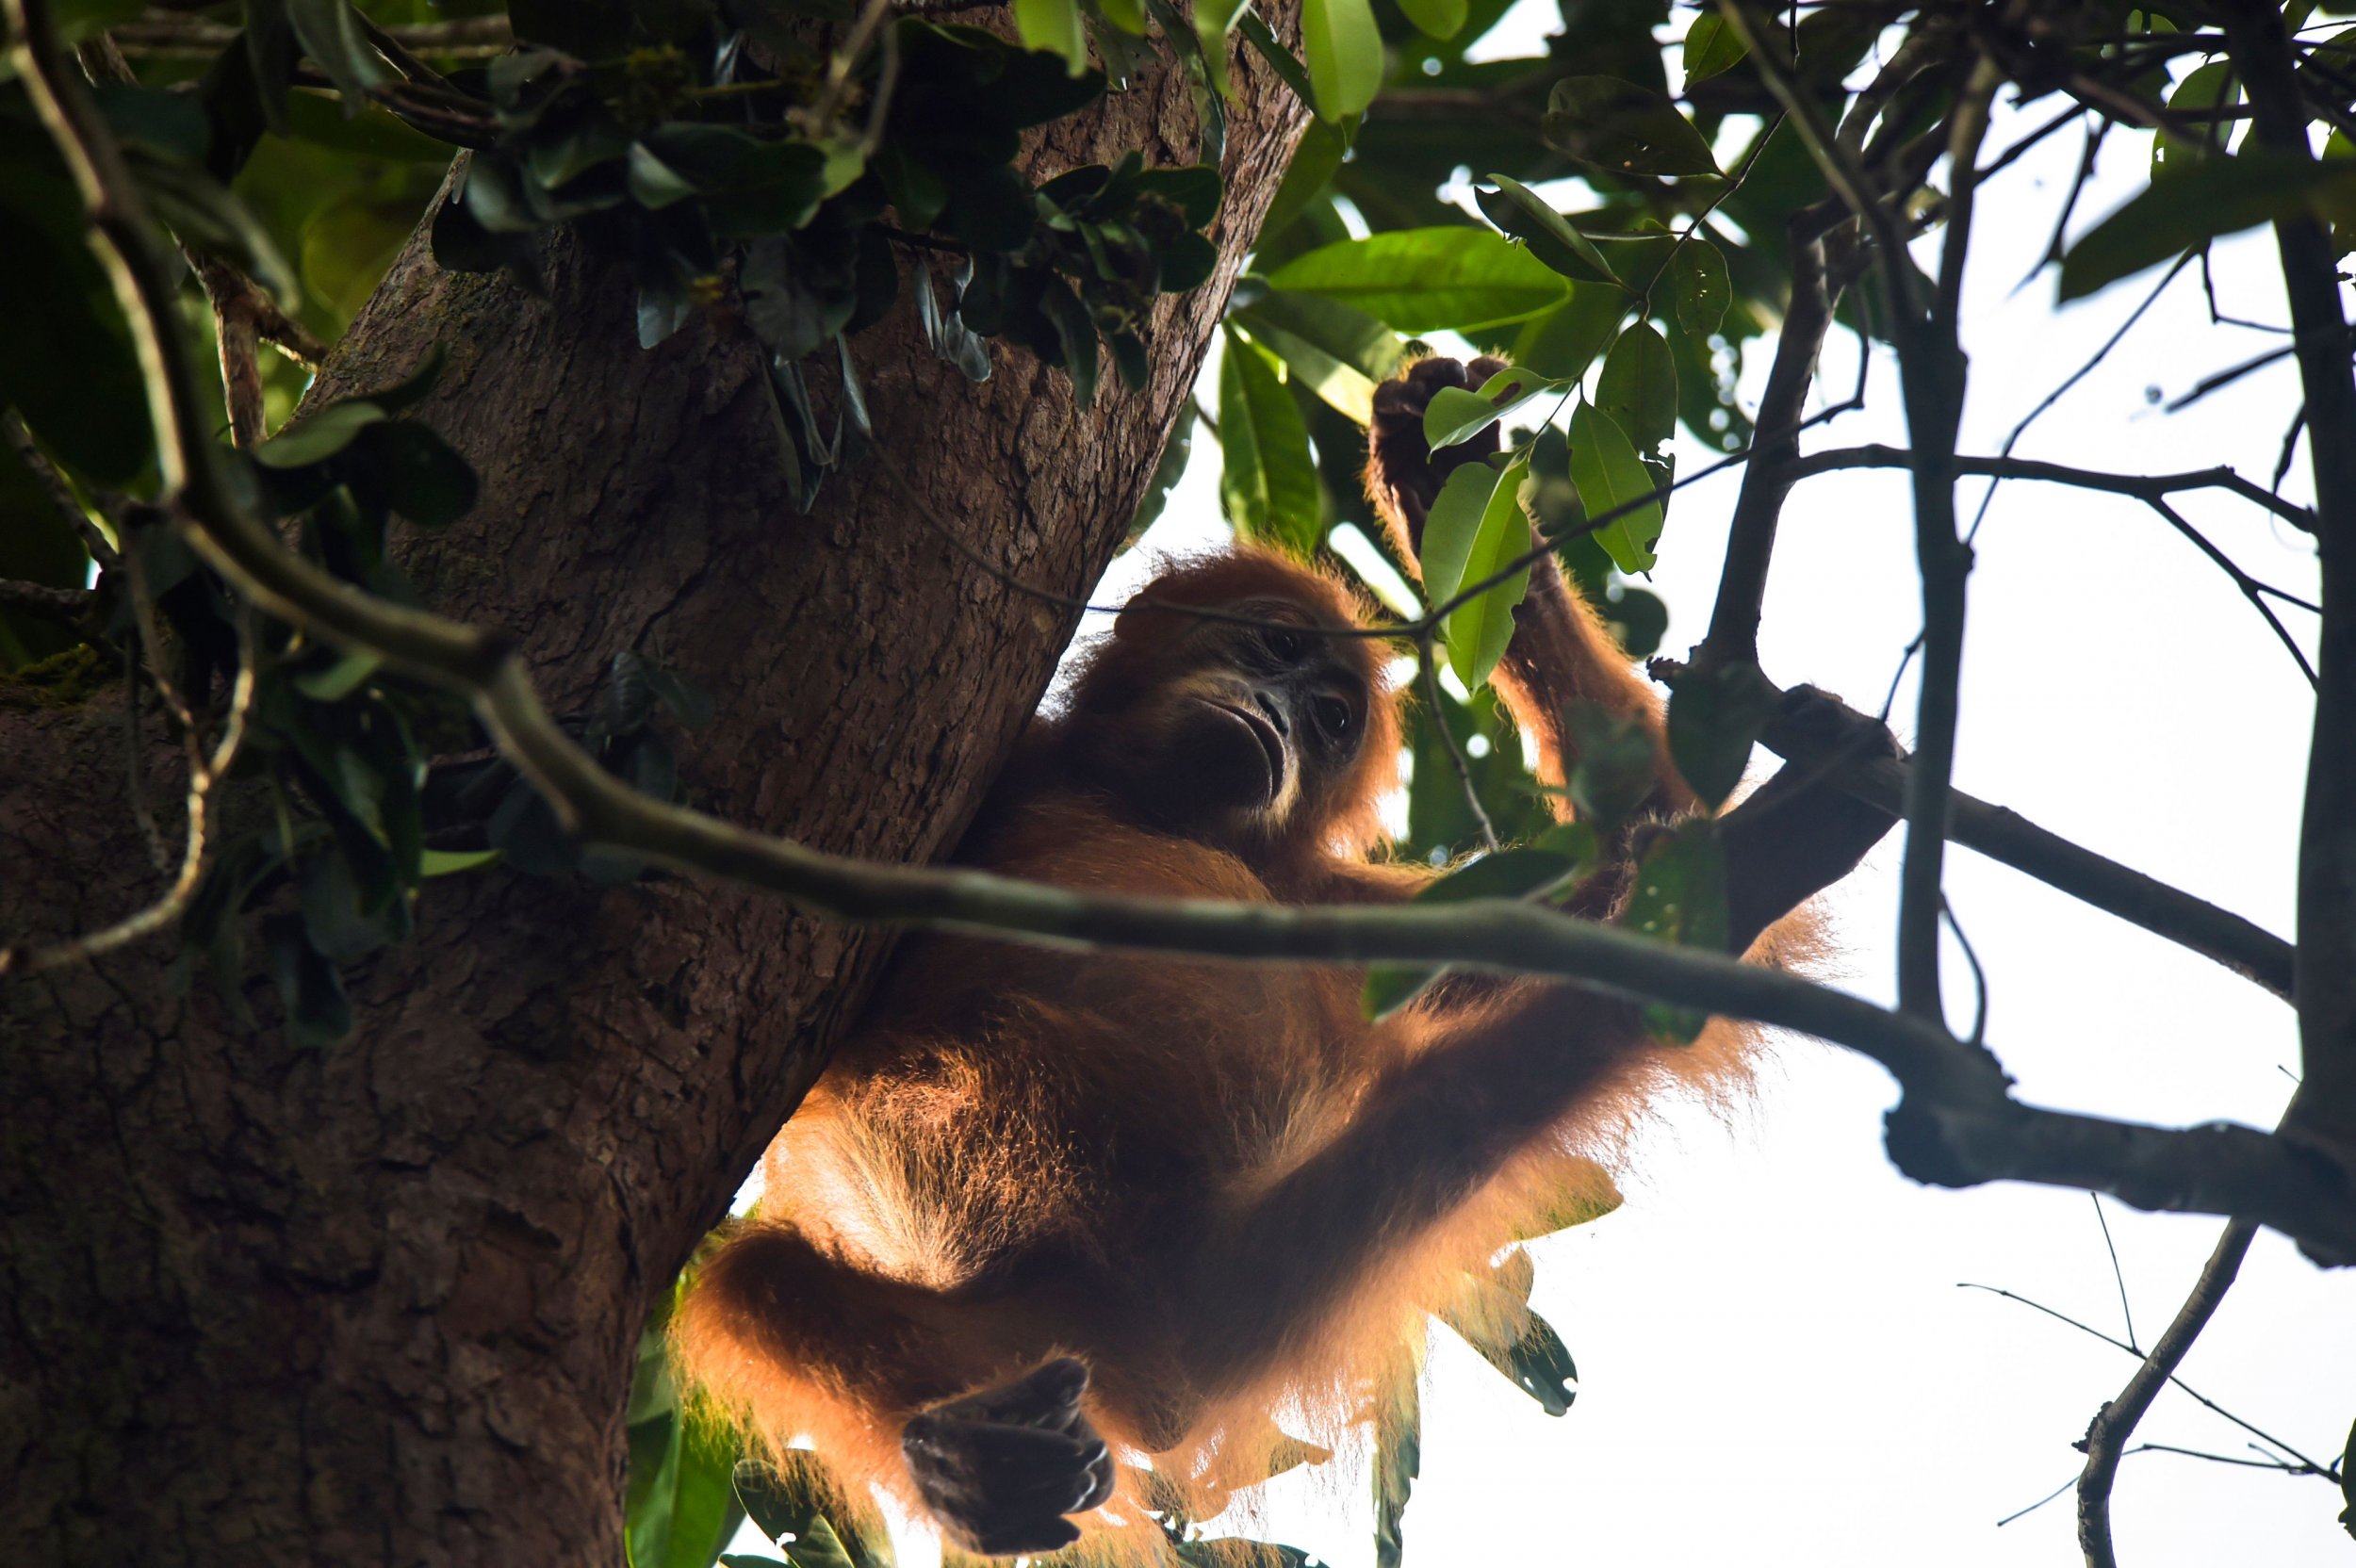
[{"x": 1778, "y": 1364}]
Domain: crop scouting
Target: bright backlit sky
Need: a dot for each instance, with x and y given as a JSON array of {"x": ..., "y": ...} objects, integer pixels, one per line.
[{"x": 1778, "y": 1364}]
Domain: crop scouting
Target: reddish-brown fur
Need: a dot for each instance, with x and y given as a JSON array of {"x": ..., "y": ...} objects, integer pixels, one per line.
[{"x": 1217, "y": 1185}]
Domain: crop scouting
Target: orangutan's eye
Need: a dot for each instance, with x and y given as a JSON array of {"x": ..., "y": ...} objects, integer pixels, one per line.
[{"x": 1332, "y": 716}]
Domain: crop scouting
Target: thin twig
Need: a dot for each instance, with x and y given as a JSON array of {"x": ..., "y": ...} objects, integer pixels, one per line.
[
  {"x": 2107, "y": 1433},
  {"x": 194, "y": 38},
  {"x": 1971, "y": 962},
  {"x": 2025, "y": 1513},
  {"x": 2009, "y": 838},
  {"x": 1957, "y": 1123},
  {"x": 1447, "y": 737},
  {"x": 2075, "y": 377},
  {"x": 2326, "y": 898},
  {"x": 2251, "y": 588},
  {"x": 63, "y": 605},
  {"x": 2087, "y": 153},
  {"x": 821, "y": 115},
  {"x": 60, "y": 493},
  {"x": 2119, "y": 1275},
  {"x": 1733, "y": 636},
  {"x": 2151, "y": 489},
  {"x": 205, "y": 772},
  {"x": 2143, "y": 487},
  {"x": 242, "y": 313},
  {"x": 2182, "y": 1387},
  {"x": 135, "y": 767}
]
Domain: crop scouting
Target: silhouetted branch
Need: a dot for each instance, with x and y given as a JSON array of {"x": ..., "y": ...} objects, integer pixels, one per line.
[
  {"x": 2005, "y": 836},
  {"x": 1957, "y": 1123},
  {"x": 2107, "y": 1433}
]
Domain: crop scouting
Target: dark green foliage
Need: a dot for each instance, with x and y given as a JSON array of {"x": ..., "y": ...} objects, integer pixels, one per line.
[
  {"x": 677, "y": 159},
  {"x": 1397, "y": 1459},
  {"x": 1560, "y": 855},
  {"x": 1716, "y": 716},
  {"x": 1680, "y": 897}
]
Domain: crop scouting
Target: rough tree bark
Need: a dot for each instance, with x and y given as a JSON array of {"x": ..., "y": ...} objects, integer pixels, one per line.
[{"x": 377, "y": 1303}]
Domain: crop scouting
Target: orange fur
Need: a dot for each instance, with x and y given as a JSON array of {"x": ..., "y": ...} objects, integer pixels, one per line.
[{"x": 1218, "y": 1184}]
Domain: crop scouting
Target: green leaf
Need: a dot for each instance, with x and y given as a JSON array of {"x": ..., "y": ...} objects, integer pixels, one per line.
[
  {"x": 1343, "y": 54},
  {"x": 1539, "y": 1363},
  {"x": 1350, "y": 335},
  {"x": 1586, "y": 1194},
  {"x": 1441, "y": 19},
  {"x": 166, "y": 124},
  {"x": 1287, "y": 67},
  {"x": 316, "y": 437},
  {"x": 1716, "y": 716},
  {"x": 448, "y": 862},
  {"x": 1638, "y": 388},
  {"x": 1345, "y": 389},
  {"x": 67, "y": 366},
  {"x": 1076, "y": 331},
  {"x": 370, "y": 133},
  {"x": 651, "y": 1488},
  {"x": 1127, "y": 15},
  {"x": 1456, "y": 415},
  {"x": 1390, "y": 986},
  {"x": 1604, "y": 469},
  {"x": 2206, "y": 88},
  {"x": 331, "y": 35},
  {"x": 1477, "y": 631},
  {"x": 1524, "y": 214},
  {"x": 1319, "y": 151},
  {"x": 654, "y": 183},
  {"x": 339, "y": 679},
  {"x": 785, "y": 1506},
  {"x": 1562, "y": 343},
  {"x": 1430, "y": 280},
  {"x": 415, "y": 472},
  {"x": 1680, "y": 893},
  {"x": 1711, "y": 47},
  {"x": 1623, "y": 129},
  {"x": 1535, "y": 1359},
  {"x": 1268, "y": 480},
  {"x": 1194, "y": 188},
  {"x": 411, "y": 388},
  {"x": 1522, "y": 871},
  {"x": 2216, "y": 196},
  {"x": 704, "y": 1507},
  {"x": 1398, "y": 1459},
  {"x": 310, "y": 988},
  {"x": 1681, "y": 898},
  {"x": 208, "y": 216},
  {"x": 1451, "y": 527},
  {"x": 1703, "y": 288},
  {"x": 1054, "y": 25},
  {"x": 1166, "y": 475}
]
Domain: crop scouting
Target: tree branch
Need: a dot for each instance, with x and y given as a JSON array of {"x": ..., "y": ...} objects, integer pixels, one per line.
[
  {"x": 2144, "y": 487},
  {"x": 2107, "y": 1433},
  {"x": 194, "y": 38},
  {"x": 69, "y": 505},
  {"x": 63, "y": 605},
  {"x": 1931, "y": 372},
  {"x": 1956, "y": 1125},
  {"x": 2327, "y": 840},
  {"x": 1733, "y": 636},
  {"x": 2009, "y": 838}
]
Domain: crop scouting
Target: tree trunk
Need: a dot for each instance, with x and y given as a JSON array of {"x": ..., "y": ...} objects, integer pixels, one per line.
[{"x": 377, "y": 1303}]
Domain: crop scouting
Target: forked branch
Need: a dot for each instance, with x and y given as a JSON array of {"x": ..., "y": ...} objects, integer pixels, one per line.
[{"x": 1957, "y": 1124}]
